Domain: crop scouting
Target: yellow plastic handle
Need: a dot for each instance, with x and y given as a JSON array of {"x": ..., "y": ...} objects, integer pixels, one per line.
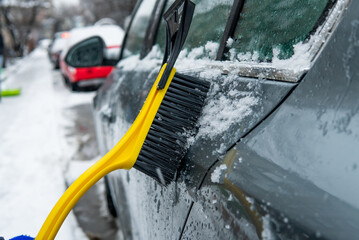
[{"x": 122, "y": 156}]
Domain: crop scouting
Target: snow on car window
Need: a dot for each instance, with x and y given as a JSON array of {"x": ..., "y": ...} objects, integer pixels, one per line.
[
  {"x": 277, "y": 39},
  {"x": 208, "y": 24},
  {"x": 207, "y": 51},
  {"x": 283, "y": 58},
  {"x": 268, "y": 27},
  {"x": 207, "y": 27},
  {"x": 152, "y": 61}
]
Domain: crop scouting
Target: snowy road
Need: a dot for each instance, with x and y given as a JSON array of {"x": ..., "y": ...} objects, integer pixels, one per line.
[{"x": 33, "y": 152}]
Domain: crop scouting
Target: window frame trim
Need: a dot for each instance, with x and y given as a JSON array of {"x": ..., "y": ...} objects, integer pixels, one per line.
[
  {"x": 324, "y": 26},
  {"x": 230, "y": 28},
  {"x": 124, "y": 41}
]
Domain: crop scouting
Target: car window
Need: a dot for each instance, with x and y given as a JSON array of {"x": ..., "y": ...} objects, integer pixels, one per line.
[
  {"x": 208, "y": 24},
  {"x": 209, "y": 21},
  {"x": 137, "y": 32},
  {"x": 161, "y": 34},
  {"x": 271, "y": 28}
]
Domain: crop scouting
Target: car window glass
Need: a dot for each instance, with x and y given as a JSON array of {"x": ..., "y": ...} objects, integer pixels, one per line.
[
  {"x": 208, "y": 24},
  {"x": 271, "y": 28},
  {"x": 161, "y": 34},
  {"x": 137, "y": 32},
  {"x": 87, "y": 53}
]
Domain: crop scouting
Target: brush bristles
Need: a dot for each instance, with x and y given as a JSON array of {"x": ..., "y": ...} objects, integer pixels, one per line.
[{"x": 175, "y": 121}]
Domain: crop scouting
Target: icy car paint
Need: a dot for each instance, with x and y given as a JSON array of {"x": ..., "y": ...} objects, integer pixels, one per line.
[{"x": 205, "y": 203}]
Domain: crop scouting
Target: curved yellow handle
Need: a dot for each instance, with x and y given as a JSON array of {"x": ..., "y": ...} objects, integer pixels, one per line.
[{"x": 122, "y": 156}]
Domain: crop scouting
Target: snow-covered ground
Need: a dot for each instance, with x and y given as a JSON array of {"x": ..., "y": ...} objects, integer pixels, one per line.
[{"x": 34, "y": 151}]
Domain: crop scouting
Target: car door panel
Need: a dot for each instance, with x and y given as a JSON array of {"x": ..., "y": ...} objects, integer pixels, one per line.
[
  {"x": 234, "y": 106},
  {"x": 313, "y": 137},
  {"x": 294, "y": 175}
]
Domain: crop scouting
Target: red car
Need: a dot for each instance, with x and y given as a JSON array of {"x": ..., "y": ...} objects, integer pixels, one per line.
[{"x": 78, "y": 76}]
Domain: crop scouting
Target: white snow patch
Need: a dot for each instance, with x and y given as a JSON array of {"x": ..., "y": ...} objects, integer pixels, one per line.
[
  {"x": 222, "y": 110},
  {"x": 112, "y": 36},
  {"x": 299, "y": 61},
  {"x": 267, "y": 233},
  {"x": 220, "y": 113},
  {"x": 304, "y": 52},
  {"x": 229, "y": 42},
  {"x": 196, "y": 53},
  {"x": 32, "y": 157},
  {"x": 217, "y": 173},
  {"x": 251, "y": 202},
  {"x": 249, "y": 57},
  {"x": 207, "y": 52},
  {"x": 211, "y": 49},
  {"x": 210, "y": 74},
  {"x": 106, "y": 110},
  {"x": 222, "y": 149},
  {"x": 152, "y": 61},
  {"x": 58, "y": 45}
]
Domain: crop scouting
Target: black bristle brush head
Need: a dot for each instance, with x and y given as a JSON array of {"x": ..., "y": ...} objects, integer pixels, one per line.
[{"x": 176, "y": 120}]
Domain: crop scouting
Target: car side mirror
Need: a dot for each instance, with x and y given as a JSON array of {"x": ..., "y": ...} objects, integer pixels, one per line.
[{"x": 87, "y": 53}]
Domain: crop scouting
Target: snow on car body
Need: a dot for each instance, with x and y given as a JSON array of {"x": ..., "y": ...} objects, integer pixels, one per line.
[{"x": 276, "y": 153}]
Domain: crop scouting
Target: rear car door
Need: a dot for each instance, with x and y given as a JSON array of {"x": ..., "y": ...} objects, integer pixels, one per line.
[{"x": 267, "y": 49}]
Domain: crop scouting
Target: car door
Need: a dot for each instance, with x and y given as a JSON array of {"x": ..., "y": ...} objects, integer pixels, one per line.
[
  {"x": 267, "y": 50},
  {"x": 145, "y": 208}
]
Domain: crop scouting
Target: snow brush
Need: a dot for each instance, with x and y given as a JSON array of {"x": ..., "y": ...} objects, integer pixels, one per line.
[{"x": 156, "y": 142}]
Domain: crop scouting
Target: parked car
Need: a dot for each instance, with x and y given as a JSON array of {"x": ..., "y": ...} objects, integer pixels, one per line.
[
  {"x": 80, "y": 74},
  {"x": 276, "y": 155},
  {"x": 56, "y": 46}
]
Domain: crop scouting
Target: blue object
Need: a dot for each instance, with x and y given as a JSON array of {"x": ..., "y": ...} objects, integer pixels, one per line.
[{"x": 22, "y": 237}]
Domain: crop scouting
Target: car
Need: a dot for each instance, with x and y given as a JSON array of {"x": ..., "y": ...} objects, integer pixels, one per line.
[
  {"x": 56, "y": 46},
  {"x": 80, "y": 75},
  {"x": 276, "y": 154}
]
